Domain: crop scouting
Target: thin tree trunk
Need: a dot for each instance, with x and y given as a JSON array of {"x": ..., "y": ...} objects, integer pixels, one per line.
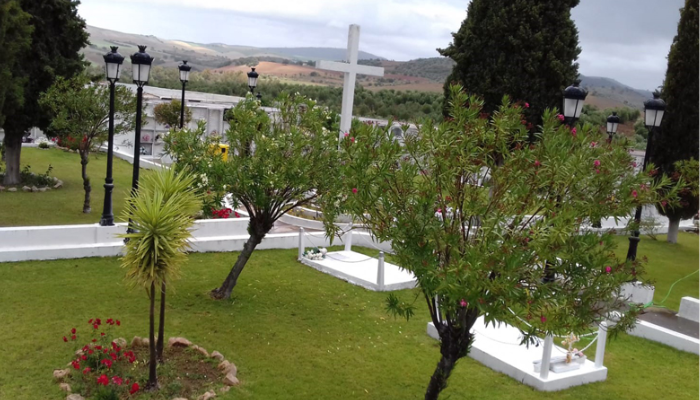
[
  {"x": 152, "y": 377},
  {"x": 13, "y": 148},
  {"x": 86, "y": 181},
  {"x": 161, "y": 325},
  {"x": 673, "y": 230},
  {"x": 438, "y": 382},
  {"x": 224, "y": 292}
]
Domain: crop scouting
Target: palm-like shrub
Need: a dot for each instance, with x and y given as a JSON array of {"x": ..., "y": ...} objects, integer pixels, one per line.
[{"x": 161, "y": 212}]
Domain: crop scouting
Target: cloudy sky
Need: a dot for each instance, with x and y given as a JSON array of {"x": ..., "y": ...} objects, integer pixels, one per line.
[{"x": 627, "y": 40}]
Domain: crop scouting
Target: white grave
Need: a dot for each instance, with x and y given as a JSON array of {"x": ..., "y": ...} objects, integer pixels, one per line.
[
  {"x": 498, "y": 347},
  {"x": 356, "y": 268},
  {"x": 351, "y": 69}
]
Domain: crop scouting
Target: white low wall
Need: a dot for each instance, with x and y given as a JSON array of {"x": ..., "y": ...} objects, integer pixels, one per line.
[
  {"x": 690, "y": 309},
  {"x": 668, "y": 337}
]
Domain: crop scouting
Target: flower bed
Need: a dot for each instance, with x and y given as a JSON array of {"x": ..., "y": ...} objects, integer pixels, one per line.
[
  {"x": 33, "y": 182},
  {"x": 106, "y": 368}
]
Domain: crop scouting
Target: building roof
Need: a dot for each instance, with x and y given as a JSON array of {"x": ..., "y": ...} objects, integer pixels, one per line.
[{"x": 190, "y": 96}]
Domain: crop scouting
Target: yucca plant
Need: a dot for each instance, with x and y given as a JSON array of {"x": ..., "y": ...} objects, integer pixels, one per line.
[{"x": 161, "y": 211}]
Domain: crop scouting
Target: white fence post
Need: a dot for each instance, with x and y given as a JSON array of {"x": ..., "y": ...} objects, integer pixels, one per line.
[
  {"x": 301, "y": 244},
  {"x": 600, "y": 346},
  {"x": 348, "y": 240},
  {"x": 380, "y": 271},
  {"x": 437, "y": 309},
  {"x": 546, "y": 356}
]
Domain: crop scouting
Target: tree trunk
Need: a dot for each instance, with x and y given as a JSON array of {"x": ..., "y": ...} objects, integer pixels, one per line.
[
  {"x": 161, "y": 325},
  {"x": 224, "y": 292},
  {"x": 673, "y": 230},
  {"x": 13, "y": 148},
  {"x": 86, "y": 181},
  {"x": 152, "y": 377},
  {"x": 438, "y": 382}
]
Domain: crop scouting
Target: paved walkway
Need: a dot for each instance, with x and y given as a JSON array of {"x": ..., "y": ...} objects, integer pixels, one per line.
[{"x": 670, "y": 320}]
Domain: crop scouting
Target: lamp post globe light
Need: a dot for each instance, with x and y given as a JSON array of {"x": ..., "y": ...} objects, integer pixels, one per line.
[
  {"x": 113, "y": 65},
  {"x": 653, "y": 113},
  {"x": 184, "y": 77},
  {"x": 252, "y": 79},
  {"x": 574, "y": 97},
  {"x": 141, "y": 70},
  {"x": 611, "y": 126}
]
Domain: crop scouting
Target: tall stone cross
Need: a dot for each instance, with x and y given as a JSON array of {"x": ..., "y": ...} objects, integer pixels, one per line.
[{"x": 351, "y": 69}]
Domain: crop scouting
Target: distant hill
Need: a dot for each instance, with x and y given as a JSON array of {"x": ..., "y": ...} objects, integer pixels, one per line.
[{"x": 201, "y": 55}]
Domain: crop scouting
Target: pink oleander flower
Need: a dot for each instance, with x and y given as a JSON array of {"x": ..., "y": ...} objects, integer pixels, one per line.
[
  {"x": 634, "y": 193},
  {"x": 346, "y": 134},
  {"x": 543, "y": 319},
  {"x": 462, "y": 303},
  {"x": 527, "y": 105},
  {"x": 593, "y": 144},
  {"x": 573, "y": 131},
  {"x": 596, "y": 163},
  {"x": 663, "y": 203},
  {"x": 537, "y": 163},
  {"x": 352, "y": 139},
  {"x": 597, "y": 171},
  {"x": 561, "y": 117},
  {"x": 608, "y": 269},
  {"x": 354, "y": 190}
]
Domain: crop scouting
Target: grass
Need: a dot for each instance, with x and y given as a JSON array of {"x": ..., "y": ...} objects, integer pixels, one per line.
[
  {"x": 668, "y": 263},
  {"x": 293, "y": 332},
  {"x": 64, "y": 206}
]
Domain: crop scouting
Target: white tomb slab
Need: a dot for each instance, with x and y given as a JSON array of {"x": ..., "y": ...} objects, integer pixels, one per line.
[
  {"x": 498, "y": 348},
  {"x": 364, "y": 271},
  {"x": 351, "y": 70}
]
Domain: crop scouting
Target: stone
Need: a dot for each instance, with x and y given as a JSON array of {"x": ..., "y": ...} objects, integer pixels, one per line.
[
  {"x": 224, "y": 389},
  {"x": 26, "y": 189},
  {"x": 35, "y": 189},
  {"x": 75, "y": 396},
  {"x": 227, "y": 367},
  {"x": 12, "y": 189},
  {"x": 217, "y": 355},
  {"x": 58, "y": 185},
  {"x": 121, "y": 342},
  {"x": 136, "y": 341},
  {"x": 2, "y": 188},
  {"x": 65, "y": 387},
  {"x": 179, "y": 342},
  {"x": 43, "y": 189},
  {"x": 208, "y": 395},
  {"x": 231, "y": 380},
  {"x": 202, "y": 350},
  {"x": 145, "y": 341},
  {"x": 61, "y": 373}
]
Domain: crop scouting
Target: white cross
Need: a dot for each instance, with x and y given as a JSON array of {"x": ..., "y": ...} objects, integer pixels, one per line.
[{"x": 351, "y": 69}]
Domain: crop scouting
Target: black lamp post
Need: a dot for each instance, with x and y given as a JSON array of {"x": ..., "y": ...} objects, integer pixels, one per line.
[
  {"x": 252, "y": 80},
  {"x": 574, "y": 97},
  {"x": 113, "y": 64},
  {"x": 653, "y": 113},
  {"x": 141, "y": 69},
  {"x": 259, "y": 96},
  {"x": 611, "y": 126},
  {"x": 184, "y": 77}
]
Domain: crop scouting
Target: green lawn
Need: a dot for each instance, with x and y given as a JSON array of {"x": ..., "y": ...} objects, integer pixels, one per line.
[
  {"x": 667, "y": 264},
  {"x": 64, "y": 206},
  {"x": 293, "y": 332}
]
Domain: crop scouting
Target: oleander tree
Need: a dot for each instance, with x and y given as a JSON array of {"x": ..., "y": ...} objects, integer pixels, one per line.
[
  {"x": 161, "y": 211},
  {"x": 274, "y": 164},
  {"x": 475, "y": 210},
  {"x": 79, "y": 111}
]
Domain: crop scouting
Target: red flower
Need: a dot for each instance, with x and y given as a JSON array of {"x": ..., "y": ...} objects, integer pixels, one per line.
[
  {"x": 114, "y": 356},
  {"x": 95, "y": 326},
  {"x": 634, "y": 193},
  {"x": 527, "y": 105},
  {"x": 83, "y": 357},
  {"x": 65, "y": 339},
  {"x": 86, "y": 370},
  {"x": 76, "y": 364},
  {"x": 72, "y": 331},
  {"x": 561, "y": 117},
  {"x": 573, "y": 131},
  {"x": 72, "y": 337},
  {"x": 537, "y": 163},
  {"x": 90, "y": 351},
  {"x": 596, "y": 163},
  {"x": 134, "y": 388},
  {"x": 543, "y": 319},
  {"x": 117, "y": 380},
  {"x": 462, "y": 303},
  {"x": 110, "y": 321},
  {"x": 352, "y": 139},
  {"x": 354, "y": 190},
  {"x": 102, "y": 334},
  {"x": 107, "y": 363},
  {"x": 118, "y": 322},
  {"x": 608, "y": 270},
  {"x": 98, "y": 321},
  {"x": 103, "y": 380},
  {"x": 98, "y": 347}
]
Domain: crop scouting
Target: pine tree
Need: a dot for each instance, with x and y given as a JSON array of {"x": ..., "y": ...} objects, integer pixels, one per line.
[
  {"x": 522, "y": 48},
  {"x": 15, "y": 36},
  {"x": 57, "y": 37},
  {"x": 677, "y": 138}
]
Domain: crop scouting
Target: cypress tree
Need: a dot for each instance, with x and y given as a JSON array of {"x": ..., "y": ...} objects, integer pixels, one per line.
[
  {"x": 57, "y": 37},
  {"x": 522, "y": 48},
  {"x": 677, "y": 138}
]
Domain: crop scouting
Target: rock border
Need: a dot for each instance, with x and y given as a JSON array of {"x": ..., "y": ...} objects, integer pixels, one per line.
[
  {"x": 227, "y": 368},
  {"x": 57, "y": 184}
]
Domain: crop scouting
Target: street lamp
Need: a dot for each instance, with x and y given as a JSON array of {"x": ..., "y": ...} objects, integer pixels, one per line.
[
  {"x": 653, "y": 113},
  {"x": 113, "y": 64},
  {"x": 184, "y": 77},
  {"x": 259, "y": 96},
  {"x": 574, "y": 97},
  {"x": 611, "y": 126},
  {"x": 141, "y": 64},
  {"x": 252, "y": 79}
]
